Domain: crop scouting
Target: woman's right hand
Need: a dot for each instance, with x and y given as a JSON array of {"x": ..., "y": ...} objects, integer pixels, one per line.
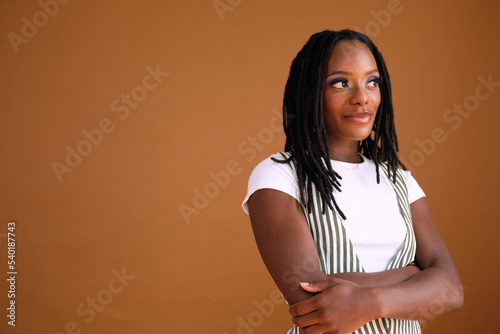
[{"x": 339, "y": 307}]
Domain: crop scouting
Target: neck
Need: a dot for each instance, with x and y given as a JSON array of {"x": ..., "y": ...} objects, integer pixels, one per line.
[{"x": 346, "y": 152}]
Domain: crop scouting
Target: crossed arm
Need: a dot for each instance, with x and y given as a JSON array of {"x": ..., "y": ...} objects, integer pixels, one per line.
[{"x": 341, "y": 303}]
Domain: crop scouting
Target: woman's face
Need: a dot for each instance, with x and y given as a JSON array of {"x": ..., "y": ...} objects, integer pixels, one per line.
[{"x": 352, "y": 95}]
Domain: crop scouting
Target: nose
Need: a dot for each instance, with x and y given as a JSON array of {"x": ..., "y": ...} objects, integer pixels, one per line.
[{"x": 359, "y": 96}]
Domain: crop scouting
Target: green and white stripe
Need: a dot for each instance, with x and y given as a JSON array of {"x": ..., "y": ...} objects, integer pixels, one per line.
[{"x": 336, "y": 253}]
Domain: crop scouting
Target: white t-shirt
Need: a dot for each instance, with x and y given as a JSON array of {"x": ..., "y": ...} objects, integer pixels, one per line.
[{"x": 374, "y": 222}]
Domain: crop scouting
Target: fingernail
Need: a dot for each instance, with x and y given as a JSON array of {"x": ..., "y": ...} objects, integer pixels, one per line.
[{"x": 304, "y": 283}]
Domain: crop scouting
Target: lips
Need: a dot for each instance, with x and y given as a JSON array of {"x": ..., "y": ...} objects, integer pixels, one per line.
[{"x": 361, "y": 118}]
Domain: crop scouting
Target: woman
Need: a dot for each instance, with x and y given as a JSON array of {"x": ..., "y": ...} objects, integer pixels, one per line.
[{"x": 346, "y": 235}]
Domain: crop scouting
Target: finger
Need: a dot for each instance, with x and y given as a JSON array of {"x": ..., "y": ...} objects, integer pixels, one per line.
[
  {"x": 314, "y": 286},
  {"x": 320, "y": 286},
  {"x": 306, "y": 320},
  {"x": 304, "y": 307},
  {"x": 314, "y": 329}
]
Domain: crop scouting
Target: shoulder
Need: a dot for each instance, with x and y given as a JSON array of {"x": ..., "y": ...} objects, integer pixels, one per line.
[
  {"x": 414, "y": 190},
  {"x": 273, "y": 173},
  {"x": 275, "y": 166}
]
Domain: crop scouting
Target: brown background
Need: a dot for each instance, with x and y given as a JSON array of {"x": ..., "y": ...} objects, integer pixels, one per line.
[{"x": 120, "y": 207}]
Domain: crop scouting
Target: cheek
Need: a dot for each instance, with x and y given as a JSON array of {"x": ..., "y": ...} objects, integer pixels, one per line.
[
  {"x": 375, "y": 98},
  {"x": 332, "y": 103}
]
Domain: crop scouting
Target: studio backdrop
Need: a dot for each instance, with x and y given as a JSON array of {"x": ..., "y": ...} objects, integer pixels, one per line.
[{"x": 129, "y": 130}]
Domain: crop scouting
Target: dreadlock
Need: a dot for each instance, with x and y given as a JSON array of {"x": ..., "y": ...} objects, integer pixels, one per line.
[{"x": 303, "y": 120}]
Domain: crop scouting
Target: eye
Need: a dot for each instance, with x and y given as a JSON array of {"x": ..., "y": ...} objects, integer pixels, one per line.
[
  {"x": 373, "y": 82},
  {"x": 338, "y": 83}
]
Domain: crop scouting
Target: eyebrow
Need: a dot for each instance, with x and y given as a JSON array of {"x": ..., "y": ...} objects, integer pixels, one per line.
[{"x": 350, "y": 74}]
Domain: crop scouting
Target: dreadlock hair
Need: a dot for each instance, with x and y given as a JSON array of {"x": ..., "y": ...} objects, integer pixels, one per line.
[{"x": 303, "y": 120}]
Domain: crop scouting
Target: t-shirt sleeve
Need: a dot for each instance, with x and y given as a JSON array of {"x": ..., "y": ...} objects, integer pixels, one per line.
[
  {"x": 414, "y": 190},
  {"x": 272, "y": 175}
]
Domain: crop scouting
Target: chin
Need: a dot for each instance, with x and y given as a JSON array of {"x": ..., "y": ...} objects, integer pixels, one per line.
[{"x": 359, "y": 136}]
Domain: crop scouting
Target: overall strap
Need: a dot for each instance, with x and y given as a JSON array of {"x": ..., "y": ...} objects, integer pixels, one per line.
[
  {"x": 335, "y": 249},
  {"x": 406, "y": 253}
]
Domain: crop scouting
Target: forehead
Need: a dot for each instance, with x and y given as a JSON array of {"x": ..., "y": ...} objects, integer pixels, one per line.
[{"x": 350, "y": 55}]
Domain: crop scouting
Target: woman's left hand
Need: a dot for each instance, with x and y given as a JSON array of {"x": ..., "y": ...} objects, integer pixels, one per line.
[{"x": 340, "y": 307}]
